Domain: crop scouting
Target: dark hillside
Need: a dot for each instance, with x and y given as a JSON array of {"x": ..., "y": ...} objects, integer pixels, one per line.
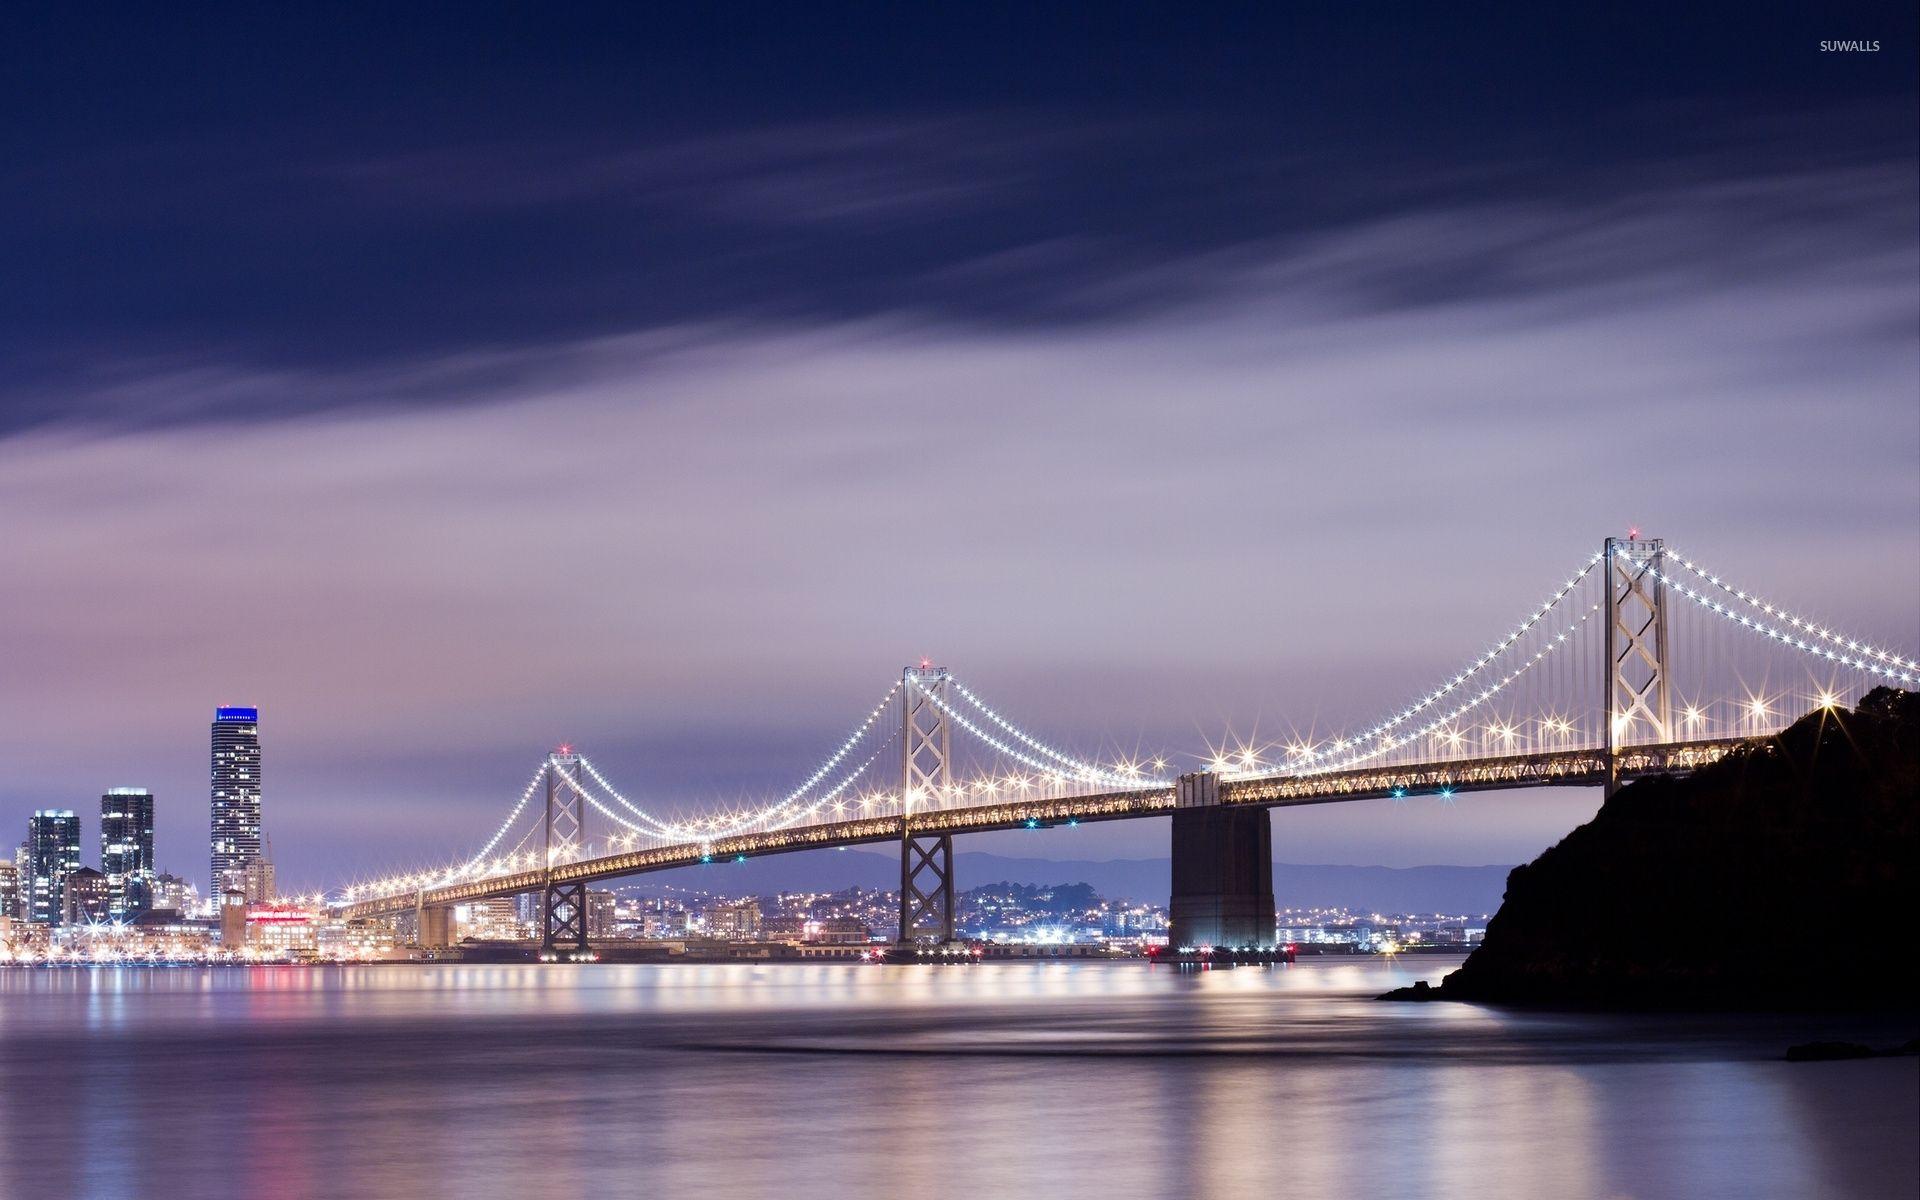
[{"x": 1782, "y": 877}]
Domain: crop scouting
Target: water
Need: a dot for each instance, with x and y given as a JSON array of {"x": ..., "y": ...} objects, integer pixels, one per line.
[{"x": 1096, "y": 1080}]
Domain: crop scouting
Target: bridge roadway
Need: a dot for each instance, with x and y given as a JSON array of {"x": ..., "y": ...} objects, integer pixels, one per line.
[{"x": 1557, "y": 768}]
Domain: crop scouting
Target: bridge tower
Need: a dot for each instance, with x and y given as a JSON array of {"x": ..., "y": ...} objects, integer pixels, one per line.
[
  {"x": 563, "y": 906},
  {"x": 926, "y": 773},
  {"x": 1639, "y": 708}
]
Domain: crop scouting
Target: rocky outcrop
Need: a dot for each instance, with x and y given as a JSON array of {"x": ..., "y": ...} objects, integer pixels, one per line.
[{"x": 1785, "y": 876}]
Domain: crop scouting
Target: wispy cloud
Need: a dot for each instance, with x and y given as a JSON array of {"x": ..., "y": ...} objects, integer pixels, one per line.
[
  {"x": 1119, "y": 522},
  {"x": 821, "y": 172}
]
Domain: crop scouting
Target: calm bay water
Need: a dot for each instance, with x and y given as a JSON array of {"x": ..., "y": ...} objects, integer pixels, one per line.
[{"x": 1097, "y": 1080}]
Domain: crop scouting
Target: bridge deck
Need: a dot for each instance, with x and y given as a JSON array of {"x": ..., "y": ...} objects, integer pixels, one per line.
[{"x": 1560, "y": 768}]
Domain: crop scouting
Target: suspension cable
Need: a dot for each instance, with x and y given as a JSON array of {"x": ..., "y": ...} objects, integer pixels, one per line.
[
  {"x": 1805, "y": 626},
  {"x": 1486, "y": 693},
  {"x": 1784, "y": 638},
  {"x": 1480, "y": 664}
]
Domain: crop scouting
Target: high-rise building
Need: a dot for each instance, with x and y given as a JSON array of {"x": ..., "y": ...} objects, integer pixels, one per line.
[
  {"x": 9, "y": 890},
  {"x": 126, "y": 851},
  {"x": 236, "y": 796},
  {"x": 53, "y": 849}
]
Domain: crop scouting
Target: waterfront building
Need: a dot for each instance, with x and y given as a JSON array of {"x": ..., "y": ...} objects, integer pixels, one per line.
[
  {"x": 784, "y": 928},
  {"x": 9, "y": 891},
  {"x": 236, "y": 795},
  {"x": 355, "y": 941},
  {"x": 53, "y": 853},
  {"x": 734, "y": 919},
  {"x": 838, "y": 931},
  {"x": 282, "y": 931},
  {"x": 126, "y": 850},
  {"x": 491, "y": 920},
  {"x": 233, "y": 921},
  {"x": 85, "y": 898},
  {"x": 164, "y": 934},
  {"x": 602, "y": 914},
  {"x": 664, "y": 923}
]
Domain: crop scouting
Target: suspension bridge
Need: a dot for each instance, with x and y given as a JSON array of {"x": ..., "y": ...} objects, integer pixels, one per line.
[{"x": 1641, "y": 662}]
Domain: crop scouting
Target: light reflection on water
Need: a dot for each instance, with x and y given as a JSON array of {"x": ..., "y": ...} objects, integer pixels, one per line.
[{"x": 1064, "y": 1080}]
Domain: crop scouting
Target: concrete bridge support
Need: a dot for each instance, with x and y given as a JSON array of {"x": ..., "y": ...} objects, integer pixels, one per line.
[
  {"x": 436, "y": 926},
  {"x": 1222, "y": 870}
]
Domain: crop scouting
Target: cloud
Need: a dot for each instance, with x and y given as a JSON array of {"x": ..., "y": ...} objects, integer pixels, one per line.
[
  {"x": 791, "y": 175},
  {"x": 1333, "y": 469}
]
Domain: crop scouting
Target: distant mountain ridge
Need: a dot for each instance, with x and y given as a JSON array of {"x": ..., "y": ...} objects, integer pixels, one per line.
[{"x": 1362, "y": 889}]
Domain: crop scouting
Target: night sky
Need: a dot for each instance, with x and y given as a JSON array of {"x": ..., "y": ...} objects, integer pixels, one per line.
[{"x": 451, "y": 381}]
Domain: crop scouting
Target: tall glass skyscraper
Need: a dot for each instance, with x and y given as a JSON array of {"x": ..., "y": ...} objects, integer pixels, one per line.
[
  {"x": 53, "y": 850},
  {"x": 126, "y": 851},
  {"x": 236, "y": 795}
]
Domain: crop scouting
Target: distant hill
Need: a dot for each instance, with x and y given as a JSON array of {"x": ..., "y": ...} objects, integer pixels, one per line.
[
  {"x": 1375, "y": 889},
  {"x": 1781, "y": 877}
]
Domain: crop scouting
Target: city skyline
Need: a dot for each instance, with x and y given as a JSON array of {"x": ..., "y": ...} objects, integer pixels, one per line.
[
  {"x": 606, "y": 423},
  {"x": 861, "y": 600}
]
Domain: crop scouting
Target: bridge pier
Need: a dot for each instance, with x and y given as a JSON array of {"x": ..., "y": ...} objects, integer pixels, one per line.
[
  {"x": 1222, "y": 870},
  {"x": 435, "y": 926}
]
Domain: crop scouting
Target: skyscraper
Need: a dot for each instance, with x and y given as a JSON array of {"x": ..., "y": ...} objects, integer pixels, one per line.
[
  {"x": 126, "y": 851},
  {"x": 236, "y": 795},
  {"x": 9, "y": 890},
  {"x": 53, "y": 846}
]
